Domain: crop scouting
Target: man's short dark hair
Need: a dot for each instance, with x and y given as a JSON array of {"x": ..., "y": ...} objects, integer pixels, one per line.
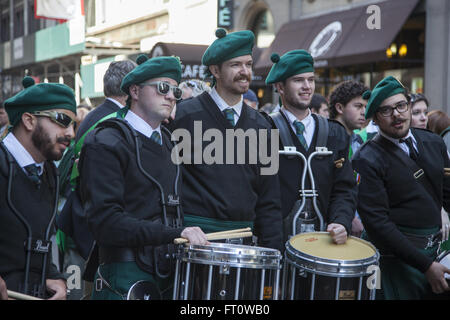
[
  {"x": 114, "y": 75},
  {"x": 343, "y": 93},
  {"x": 316, "y": 102}
]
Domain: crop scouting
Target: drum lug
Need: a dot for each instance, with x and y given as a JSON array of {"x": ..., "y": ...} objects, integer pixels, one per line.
[
  {"x": 224, "y": 270},
  {"x": 302, "y": 273}
]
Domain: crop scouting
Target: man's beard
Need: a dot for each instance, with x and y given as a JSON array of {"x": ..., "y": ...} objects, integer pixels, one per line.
[
  {"x": 238, "y": 90},
  {"x": 43, "y": 143},
  {"x": 295, "y": 103}
]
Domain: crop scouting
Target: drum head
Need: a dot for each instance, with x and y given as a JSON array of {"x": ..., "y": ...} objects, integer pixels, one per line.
[{"x": 320, "y": 245}]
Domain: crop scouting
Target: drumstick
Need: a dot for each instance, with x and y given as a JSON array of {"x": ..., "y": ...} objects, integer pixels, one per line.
[
  {"x": 218, "y": 237},
  {"x": 20, "y": 296},
  {"x": 229, "y": 231},
  {"x": 224, "y": 233}
]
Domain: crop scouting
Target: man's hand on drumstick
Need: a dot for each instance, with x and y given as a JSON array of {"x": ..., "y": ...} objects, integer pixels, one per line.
[
  {"x": 337, "y": 232},
  {"x": 195, "y": 235}
]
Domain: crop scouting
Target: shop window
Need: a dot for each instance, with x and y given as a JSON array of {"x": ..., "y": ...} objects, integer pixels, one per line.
[
  {"x": 18, "y": 23},
  {"x": 263, "y": 28},
  {"x": 5, "y": 31}
]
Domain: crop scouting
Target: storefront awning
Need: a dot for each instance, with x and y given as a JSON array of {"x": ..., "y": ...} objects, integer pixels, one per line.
[{"x": 342, "y": 38}]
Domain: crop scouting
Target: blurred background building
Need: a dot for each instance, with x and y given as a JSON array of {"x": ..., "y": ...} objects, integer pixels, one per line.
[{"x": 363, "y": 40}]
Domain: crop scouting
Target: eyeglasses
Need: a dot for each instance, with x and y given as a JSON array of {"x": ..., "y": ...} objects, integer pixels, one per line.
[
  {"x": 164, "y": 88},
  {"x": 59, "y": 118},
  {"x": 387, "y": 111}
]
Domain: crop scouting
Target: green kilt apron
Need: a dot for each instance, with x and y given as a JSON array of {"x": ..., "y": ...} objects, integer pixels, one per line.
[
  {"x": 122, "y": 275},
  {"x": 400, "y": 281}
]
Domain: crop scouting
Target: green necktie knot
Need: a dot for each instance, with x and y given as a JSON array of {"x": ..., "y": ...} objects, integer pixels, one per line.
[
  {"x": 33, "y": 173},
  {"x": 156, "y": 137},
  {"x": 229, "y": 115}
]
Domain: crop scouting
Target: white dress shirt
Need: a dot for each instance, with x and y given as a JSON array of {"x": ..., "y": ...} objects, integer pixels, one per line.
[
  {"x": 223, "y": 105},
  {"x": 402, "y": 145},
  {"x": 308, "y": 122},
  {"x": 140, "y": 125},
  {"x": 18, "y": 151}
]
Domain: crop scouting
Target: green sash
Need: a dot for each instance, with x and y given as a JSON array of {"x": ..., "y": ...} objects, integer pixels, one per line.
[
  {"x": 400, "y": 281},
  {"x": 75, "y": 173}
]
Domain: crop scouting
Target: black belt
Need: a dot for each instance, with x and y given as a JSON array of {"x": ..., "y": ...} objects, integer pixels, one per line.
[
  {"x": 425, "y": 241},
  {"x": 115, "y": 254}
]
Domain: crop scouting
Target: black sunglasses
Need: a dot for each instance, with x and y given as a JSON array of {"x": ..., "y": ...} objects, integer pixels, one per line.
[
  {"x": 164, "y": 88},
  {"x": 59, "y": 118}
]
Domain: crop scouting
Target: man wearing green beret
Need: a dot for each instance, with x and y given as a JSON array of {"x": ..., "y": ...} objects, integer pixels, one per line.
[
  {"x": 401, "y": 193},
  {"x": 130, "y": 188},
  {"x": 294, "y": 79},
  {"x": 42, "y": 125},
  {"x": 224, "y": 194}
]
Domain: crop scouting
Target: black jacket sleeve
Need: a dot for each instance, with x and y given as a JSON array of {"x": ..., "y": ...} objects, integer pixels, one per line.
[{"x": 343, "y": 196}]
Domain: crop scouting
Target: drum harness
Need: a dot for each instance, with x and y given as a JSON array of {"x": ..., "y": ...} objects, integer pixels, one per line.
[
  {"x": 290, "y": 151},
  {"x": 37, "y": 246},
  {"x": 173, "y": 200}
]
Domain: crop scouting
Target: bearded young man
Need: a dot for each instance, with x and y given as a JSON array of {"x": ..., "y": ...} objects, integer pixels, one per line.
[
  {"x": 401, "y": 192},
  {"x": 42, "y": 118},
  {"x": 229, "y": 195},
  {"x": 294, "y": 79}
]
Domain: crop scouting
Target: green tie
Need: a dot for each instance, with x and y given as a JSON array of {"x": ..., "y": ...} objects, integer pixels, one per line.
[
  {"x": 156, "y": 137},
  {"x": 229, "y": 115},
  {"x": 300, "y": 128}
]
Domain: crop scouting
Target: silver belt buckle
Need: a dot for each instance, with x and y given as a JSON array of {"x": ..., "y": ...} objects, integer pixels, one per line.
[
  {"x": 98, "y": 285},
  {"x": 418, "y": 173},
  {"x": 238, "y": 241},
  {"x": 431, "y": 241}
]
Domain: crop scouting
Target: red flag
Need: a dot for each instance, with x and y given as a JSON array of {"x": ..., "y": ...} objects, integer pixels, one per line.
[{"x": 62, "y": 10}]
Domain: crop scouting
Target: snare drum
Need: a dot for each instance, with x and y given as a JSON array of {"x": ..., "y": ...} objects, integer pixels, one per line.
[
  {"x": 317, "y": 268},
  {"x": 226, "y": 271}
]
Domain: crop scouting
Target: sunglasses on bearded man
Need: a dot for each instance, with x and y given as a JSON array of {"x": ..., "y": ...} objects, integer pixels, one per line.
[{"x": 59, "y": 118}]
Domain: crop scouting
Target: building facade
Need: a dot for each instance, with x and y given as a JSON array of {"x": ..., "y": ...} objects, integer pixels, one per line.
[{"x": 364, "y": 40}]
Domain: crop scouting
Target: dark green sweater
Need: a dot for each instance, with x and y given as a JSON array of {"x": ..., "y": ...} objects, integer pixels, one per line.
[{"x": 229, "y": 192}]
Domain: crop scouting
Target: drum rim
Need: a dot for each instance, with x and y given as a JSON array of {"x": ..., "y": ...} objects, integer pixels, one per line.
[
  {"x": 290, "y": 250},
  {"x": 203, "y": 254}
]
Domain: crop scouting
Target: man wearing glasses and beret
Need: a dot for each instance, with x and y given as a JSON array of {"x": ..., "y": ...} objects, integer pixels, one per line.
[
  {"x": 130, "y": 187},
  {"x": 42, "y": 119},
  {"x": 401, "y": 192}
]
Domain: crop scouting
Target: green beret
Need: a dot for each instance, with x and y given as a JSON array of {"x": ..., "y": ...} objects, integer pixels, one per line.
[
  {"x": 158, "y": 67},
  {"x": 384, "y": 89},
  {"x": 228, "y": 46},
  {"x": 39, "y": 97},
  {"x": 291, "y": 63}
]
